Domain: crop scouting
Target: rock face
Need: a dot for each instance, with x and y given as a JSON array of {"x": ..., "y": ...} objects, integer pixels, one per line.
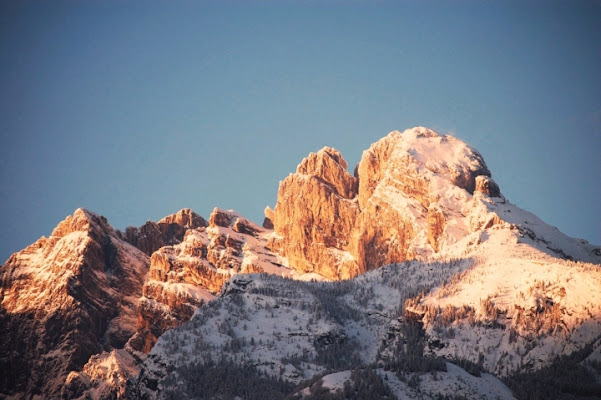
[
  {"x": 103, "y": 377},
  {"x": 181, "y": 278},
  {"x": 486, "y": 185},
  {"x": 185, "y": 275},
  {"x": 63, "y": 299},
  {"x": 315, "y": 214},
  {"x": 186, "y": 218},
  {"x": 168, "y": 231},
  {"x": 405, "y": 188}
]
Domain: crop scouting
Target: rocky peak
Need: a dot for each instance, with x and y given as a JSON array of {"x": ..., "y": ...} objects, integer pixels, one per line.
[
  {"x": 82, "y": 220},
  {"x": 65, "y": 298},
  {"x": 223, "y": 218},
  {"x": 168, "y": 231},
  {"x": 268, "y": 221},
  {"x": 314, "y": 215},
  {"x": 396, "y": 207},
  {"x": 329, "y": 166},
  {"x": 417, "y": 151},
  {"x": 184, "y": 275},
  {"x": 231, "y": 219},
  {"x": 186, "y": 218}
]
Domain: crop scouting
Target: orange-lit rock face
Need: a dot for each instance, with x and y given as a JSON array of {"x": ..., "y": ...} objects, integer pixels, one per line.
[
  {"x": 168, "y": 231},
  {"x": 436, "y": 225},
  {"x": 65, "y": 298},
  {"x": 394, "y": 208},
  {"x": 186, "y": 218},
  {"x": 315, "y": 214}
]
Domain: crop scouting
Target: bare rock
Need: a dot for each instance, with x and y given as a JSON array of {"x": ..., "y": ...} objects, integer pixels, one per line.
[
  {"x": 65, "y": 298},
  {"x": 436, "y": 225},
  {"x": 186, "y": 218},
  {"x": 329, "y": 166},
  {"x": 393, "y": 209},
  {"x": 168, "y": 231},
  {"x": 268, "y": 221},
  {"x": 150, "y": 237},
  {"x": 222, "y": 218},
  {"x": 486, "y": 185},
  {"x": 314, "y": 215}
]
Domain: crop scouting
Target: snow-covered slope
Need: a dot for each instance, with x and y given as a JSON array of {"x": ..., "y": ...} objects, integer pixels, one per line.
[
  {"x": 516, "y": 294},
  {"x": 414, "y": 195},
  {"x": 516, "y": 306},
  {"x": 279, "y": 329},
  {"x": 420, "y": 326},
  {"x": 367, "y": 383}
]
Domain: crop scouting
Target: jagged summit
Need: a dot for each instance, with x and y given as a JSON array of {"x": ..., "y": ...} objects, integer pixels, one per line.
[
  {"x": 65, "y": 298},
  {"x": 92, "y": 301},
  {"x": 394, "y": 207},
  {"x": 168, "y": 231},
  {"x": 329, "y": 165},
  {"x": 443, "y": 155},
  {"x": 413, "y": 195},
  {"x": 186, "y": 218}
]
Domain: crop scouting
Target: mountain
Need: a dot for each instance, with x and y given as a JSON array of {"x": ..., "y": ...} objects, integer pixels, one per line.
[
  {"x": 184, "y": 276},
  {"x": 413, "y": 195},
  {"x": 65, "y": 298},
  {"x": 412, "y": 277}
]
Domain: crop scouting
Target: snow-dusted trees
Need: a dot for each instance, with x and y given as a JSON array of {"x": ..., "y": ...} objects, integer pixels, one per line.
[
  {"x": 566, "y": 377},
  {"x": 222, "y": 379}
]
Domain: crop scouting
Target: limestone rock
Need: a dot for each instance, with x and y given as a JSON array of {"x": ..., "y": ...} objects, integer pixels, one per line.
[
  {"x": 406, "y": 186},
  {"x": 103, "y": 377},
  {"x": 168, "y": 231},
  {"x": 314, "y": 216},
  {"x": 186, "y": 218},
  {"x": 65, "y": 298},
  {"x": 329, "y": 166},
  {"x": 184, "y": 275},
  {"x": 436, "y": 225},
  {"x": 485, "y": 184}
]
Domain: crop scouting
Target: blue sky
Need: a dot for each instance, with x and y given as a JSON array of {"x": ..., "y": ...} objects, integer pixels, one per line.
[{"x": 138, "y": 109}]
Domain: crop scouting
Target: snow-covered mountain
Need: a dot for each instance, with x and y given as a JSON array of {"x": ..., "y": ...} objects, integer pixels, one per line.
[
  {"x": 439, "y": 286},
  {"x": 414, "y": 195},
  {"x": 65, "y": 298}
]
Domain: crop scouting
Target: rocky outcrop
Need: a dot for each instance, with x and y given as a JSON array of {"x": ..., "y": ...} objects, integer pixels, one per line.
[
  {"x": 168, "y": 231},
  {"x": 185, "y": 275},
  {"x": 186, "y": 218},
  {"x": 65, "y": 298},
  {"x": 410, "y": 184},
  {"x": 435, "y": 226},
  {"x": 268, "y": 221},
  {"x": 486, "y": 185},
  {"x": 180, "y": 279},
  {"x": 315, "y": 214},
  {"x": 396, "y": 206},
  {"x": 103, "y": 377}
]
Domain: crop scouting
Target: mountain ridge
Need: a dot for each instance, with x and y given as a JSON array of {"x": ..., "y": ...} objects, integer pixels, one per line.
[{"x": 415, "y": 196}]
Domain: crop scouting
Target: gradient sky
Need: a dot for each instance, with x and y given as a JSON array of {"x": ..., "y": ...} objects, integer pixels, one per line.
[{"x": 135, "y": 110}]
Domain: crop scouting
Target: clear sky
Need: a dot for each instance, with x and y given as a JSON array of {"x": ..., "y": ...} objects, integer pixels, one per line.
[{"x": 135, "y": 110}]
